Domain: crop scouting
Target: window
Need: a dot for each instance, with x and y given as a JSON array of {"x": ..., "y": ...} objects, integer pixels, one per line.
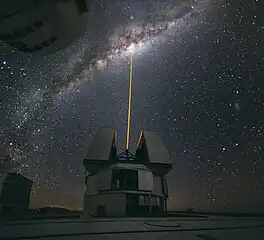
[
  {"x": 45, "y": 44},
  {"x": 21, "y": 46},
  {"x": 154, "y": 201},
  {"x": 51, "y": 40},
  {"x": 144, "y": 200},
  {"x": 124, "y": 179},
  {"x": 115, "y": 184},
  {"x": 29, "y": 50},
  {"x": 131, "y": 177}
]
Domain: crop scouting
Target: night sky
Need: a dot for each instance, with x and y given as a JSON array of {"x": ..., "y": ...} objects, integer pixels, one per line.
[{"x": 198, "y": 79}]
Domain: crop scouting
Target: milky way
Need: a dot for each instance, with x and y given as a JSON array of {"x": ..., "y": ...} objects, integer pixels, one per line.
[
  {"x": 136, "y": 38},
  {"x": 197, "y": 67},
  {"x": 67, "y": 72},
  {"x": 133, "y": 38}
]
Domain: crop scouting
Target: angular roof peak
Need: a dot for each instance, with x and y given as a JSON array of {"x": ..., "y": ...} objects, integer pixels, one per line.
[
  {"x": 152, "y": 151},
  {"x": 102, "y": 150}
]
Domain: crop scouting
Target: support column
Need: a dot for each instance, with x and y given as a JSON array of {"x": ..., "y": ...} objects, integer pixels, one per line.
[
  {"x": 165, "y": 205},
  {"x": 150, "y": 203}
]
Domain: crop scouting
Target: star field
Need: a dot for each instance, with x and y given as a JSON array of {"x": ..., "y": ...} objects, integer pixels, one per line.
[{"x": 198, "y": 70}]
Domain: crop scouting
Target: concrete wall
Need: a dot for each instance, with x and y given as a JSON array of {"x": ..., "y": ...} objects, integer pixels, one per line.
[
  {"x": 115, "y": 204},
  {"x": 100, "y": 181},
  {"x": 91, "y": 187}
]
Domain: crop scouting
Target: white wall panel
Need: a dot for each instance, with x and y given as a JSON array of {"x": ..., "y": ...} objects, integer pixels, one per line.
[{"x": 145, "y": 180}]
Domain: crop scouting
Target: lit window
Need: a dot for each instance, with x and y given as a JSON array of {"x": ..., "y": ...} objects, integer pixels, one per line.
[{"x": 124, "y": 179}]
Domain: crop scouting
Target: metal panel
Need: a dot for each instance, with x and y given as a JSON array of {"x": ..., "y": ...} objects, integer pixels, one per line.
[
  {"x": 102, "y": 144},
  {"x": 145, "y": 180},
  {"x": 104, "y": 179},
  {"x": 157, "y": 153},
  {"x": 114, "y": 204}
]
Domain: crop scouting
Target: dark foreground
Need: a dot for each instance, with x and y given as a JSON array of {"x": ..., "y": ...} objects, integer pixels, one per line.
[{"x": 211, "y": 228}]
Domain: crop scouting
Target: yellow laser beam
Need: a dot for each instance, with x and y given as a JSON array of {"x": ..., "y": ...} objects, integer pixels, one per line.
[{"x": 129, "y": 104}]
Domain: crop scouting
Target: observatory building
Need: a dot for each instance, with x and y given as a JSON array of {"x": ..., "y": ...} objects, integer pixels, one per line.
[
  {"x": 14, "y": 192},
  {"x": 126, "y": 184},
  {"x": 41, "y": 26}
]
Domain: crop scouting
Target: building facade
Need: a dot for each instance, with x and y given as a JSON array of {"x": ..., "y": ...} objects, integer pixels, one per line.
[
  {"x": 15, "y": 192},
  {"x": 41, "y": 26},
  {"x": 126, "y": 185}
]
